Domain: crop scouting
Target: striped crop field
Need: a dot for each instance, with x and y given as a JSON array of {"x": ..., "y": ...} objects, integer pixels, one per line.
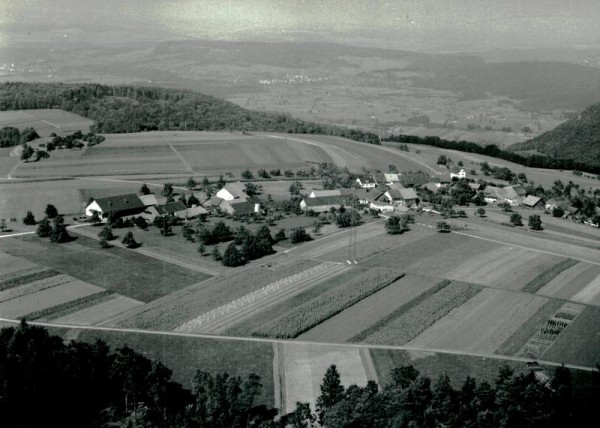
[
  {"x": 482, "y": 324},
  {"x": 226, "y": 316},
  {"x": 412, "y": 318},
  {"x": 327, "y": 305},
  {"x": 351, "y": 321}
]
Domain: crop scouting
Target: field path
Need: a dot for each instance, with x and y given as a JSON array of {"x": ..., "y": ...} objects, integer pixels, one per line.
[{"x": 187, "y": 165}]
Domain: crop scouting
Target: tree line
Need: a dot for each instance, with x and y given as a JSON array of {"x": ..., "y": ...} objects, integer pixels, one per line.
[
  {"x": 11, "y": 136},
  {"x": 119, "y": 109},
  {"x": 533, "y": 161},
  {"x": 45, "y": 381}
]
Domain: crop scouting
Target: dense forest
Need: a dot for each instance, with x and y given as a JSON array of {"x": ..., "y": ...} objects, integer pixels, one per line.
[
  {"x": 116, "y": 109},
  {"x": 577, "y": 138},
  {"x": 47, "y": 382},
  {"x": 11, "y": 136},
  {"x": 585, "y": 163}
]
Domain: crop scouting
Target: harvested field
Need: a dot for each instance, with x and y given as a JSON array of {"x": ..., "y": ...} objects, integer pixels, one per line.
[
  {"x": 185, "y": 355},
  {"x": 482, "y": 324},
  {"x": 504, "y": 267},
  {"x": 68, "y": 306},
  {"x": 112, "y": 306},
  {"x": 131, "y": 274},
  {"x": 304, "y": 365},
  {"x": 548, "y": 275},
  {"x": 579, "y": 343},
  {"x": 253, "y": 152},
  {"x": 405, "y": 256},
  {"x": 34, "y": 286},
  {"x": 351, "y": 321},
  {"x": 570, "y": 281},
  {"x": 328, "y": 304},
  {"x": 22, "y": 306},
  {"x": 415, "y": 316},
  {"x": 175, "y": 309},
  {"x": 10, "y": 264},
  {"x": 257, "y": 319},
  {"x": 590, "y": 294},
  {"x": 223, "y": 317},
  {"x": 96, "y": 165},
  {"x": 529, "y": 328}
]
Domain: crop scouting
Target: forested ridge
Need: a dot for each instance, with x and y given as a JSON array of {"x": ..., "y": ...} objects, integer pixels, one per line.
[
  {"x": 116, "y": 109},
  {"x": 577, "y": 138},
  {"x": 47, "y": 382},
  {"x": 555, "y": 160}
]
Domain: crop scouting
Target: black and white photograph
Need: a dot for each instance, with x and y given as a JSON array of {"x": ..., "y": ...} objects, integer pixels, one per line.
[{"x": 299, "y": 213}]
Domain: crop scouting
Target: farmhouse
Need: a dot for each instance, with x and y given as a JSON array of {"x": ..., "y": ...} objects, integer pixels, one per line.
[
  {"x": 406, "y": 197},
  {"x": 323, "y": 203},
  {"x": 412, "y": 179},
  {"x": 562, "y": 203},
  {"x": 322, "y": 193},
  {"x": 232, "y": 191},
  {"x": 391, "y": 178},
  {"x": 193, "y": 212},
  {"x": 513, "y": 194},
  {"x": 171, "y": 208},
  {"x": 121, "y": 205},
  {"x": 382, "y": 206},
  {"x": 364, "y": 196},
  {"x": 533, "y": 202},
  {"x": 443, "y": 180},
  {"x": 366, "y": 183},
  {"x": 458, "y": 172}
]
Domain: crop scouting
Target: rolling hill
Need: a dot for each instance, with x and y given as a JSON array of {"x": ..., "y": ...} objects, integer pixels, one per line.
[{"x": 577, "y": 139}]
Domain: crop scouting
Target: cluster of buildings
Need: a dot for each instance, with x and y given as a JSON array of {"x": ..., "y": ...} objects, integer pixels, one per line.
[{"x": 381, "y": 192}]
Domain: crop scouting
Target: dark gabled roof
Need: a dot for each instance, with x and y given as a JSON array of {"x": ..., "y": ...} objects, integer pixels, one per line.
[
  {"x": 408, "y": 194},
  {"x": 414, "y": 178},
  {"x": 395, "y": 194},
  {"x": 127, "y": 202},
  {"x": 242, "y": 208},
  {"x": 171, "y": 207},
  {"x": 325, "y": 200},
  {"x": 531, "y": 201},
  {"x": 379, "y": 178}
]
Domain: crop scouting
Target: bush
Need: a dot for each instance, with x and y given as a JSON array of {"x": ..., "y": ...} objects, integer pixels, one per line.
[
  {"x": 129, "y": 240},
  {"x": 535, "y": 222},
  {"x": 442, "y": 226},
  {"x": 515, "y": 219},
  {"x": 299, "y": 235},
  {"x": 558, "y": 212},
  {"x": 29, "y": 219},
  {"x": 232, "y": 257}
]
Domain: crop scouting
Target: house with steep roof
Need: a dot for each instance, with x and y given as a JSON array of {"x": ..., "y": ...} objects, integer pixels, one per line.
[
  {"x": 365, "y": 183},
  {"x": 171, "y": 208},
  {"x": 513, "y": 194},
  {"x": 380, "y": 179},
  {"x": 121, "y": 205},
  {"x": 458, "y": 172},
  {"x": 391, "y": 177},
  {"x": 406, "y": 197},
  {"x": 533, "y": 202},
  {"x": 231, "y": 191}
]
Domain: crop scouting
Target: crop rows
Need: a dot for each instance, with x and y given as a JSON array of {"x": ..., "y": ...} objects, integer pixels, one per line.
[
  {"x": 412, "y": 322},
  {"x": 26, "y": 279},
  {"x": 327, "y": 305},
  {"x": 66, "y": 306},
  {"x": 399, "y": 312},
  {"x": 548, "y": 275},
  {"x": 34, "y": 287}
]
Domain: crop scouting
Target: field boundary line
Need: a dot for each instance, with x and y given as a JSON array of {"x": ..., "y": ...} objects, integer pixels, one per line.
[
  {"x": 497, "y": 241},
  {"x": 179, "y": 155},
  {"x": 282, "y": 341}
]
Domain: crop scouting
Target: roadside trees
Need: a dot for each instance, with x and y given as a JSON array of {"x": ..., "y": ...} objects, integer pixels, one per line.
[
  {"x": 443, "y": 227},
  {"x": 515, "y": 219},
  {"x": 480, "y": 212},
  {"x": 51, "y": 211},
  {"x": 535, "y": 222},
  {"x": 129, "y": 241},
  {"x": 44, "y": 228}
]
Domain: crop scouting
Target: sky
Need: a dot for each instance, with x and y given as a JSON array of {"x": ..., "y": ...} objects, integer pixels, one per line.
[{"x": 425, "y": 24}]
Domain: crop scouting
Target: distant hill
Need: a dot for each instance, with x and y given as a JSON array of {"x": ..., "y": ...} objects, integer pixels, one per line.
[
  {"x": 577, "y": 139},
  {"x": 118, "y": 109}
]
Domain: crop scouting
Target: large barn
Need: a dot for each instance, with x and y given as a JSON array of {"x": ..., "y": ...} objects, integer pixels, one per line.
[{"x": 121, "y": 205}]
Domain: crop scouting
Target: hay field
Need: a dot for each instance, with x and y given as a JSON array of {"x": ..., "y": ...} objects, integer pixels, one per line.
[
  {"x": 45, "y": 121},
  {"x": 10, "y": 264},
  {"x": 481, "y": 324},
  {"x": 114, "y": 305},
  {"x": 590, "y": 294}
]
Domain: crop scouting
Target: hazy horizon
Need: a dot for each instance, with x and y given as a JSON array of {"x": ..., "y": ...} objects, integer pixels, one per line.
[{"x": 433, "y": 26}]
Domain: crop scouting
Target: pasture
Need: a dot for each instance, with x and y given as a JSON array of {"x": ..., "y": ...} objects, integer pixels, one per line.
[{"x": 115, "y": 269}]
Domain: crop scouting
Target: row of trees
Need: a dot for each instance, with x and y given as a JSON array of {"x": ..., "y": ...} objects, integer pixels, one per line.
[
  {"x": 88, "y": 384},
  {"x": 413, "y": 400},
  {"x": 533, "y": 161}
]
